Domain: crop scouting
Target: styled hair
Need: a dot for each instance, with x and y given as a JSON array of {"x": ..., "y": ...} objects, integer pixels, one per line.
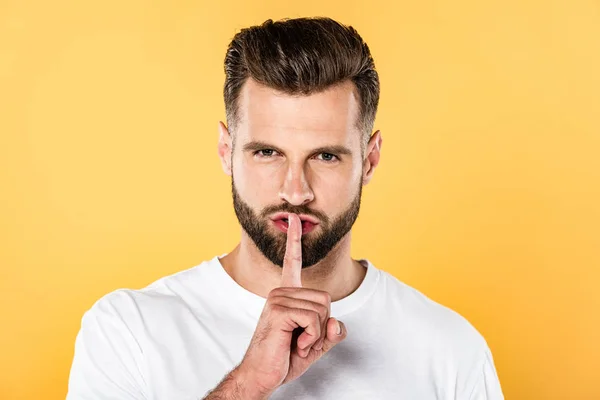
[{"x": 302, "y": 56}]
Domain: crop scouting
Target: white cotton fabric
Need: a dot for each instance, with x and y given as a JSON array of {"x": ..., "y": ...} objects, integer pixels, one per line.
[{"x": 178, "y": 337}]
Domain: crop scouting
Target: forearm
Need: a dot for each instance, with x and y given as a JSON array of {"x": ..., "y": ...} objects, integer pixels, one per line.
[{"x": 236, "y": 386}]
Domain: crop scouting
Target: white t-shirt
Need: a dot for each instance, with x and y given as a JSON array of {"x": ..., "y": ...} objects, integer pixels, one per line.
[{"x": 178, "y": 337}]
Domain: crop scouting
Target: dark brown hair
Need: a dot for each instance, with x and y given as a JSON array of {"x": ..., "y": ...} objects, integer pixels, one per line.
[{"x": 302, "y": 56}]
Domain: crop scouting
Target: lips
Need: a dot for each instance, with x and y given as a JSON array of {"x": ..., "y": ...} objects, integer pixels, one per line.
[
  {"x": 281, "y": 222},
  {"x": 303, "y": 217}
]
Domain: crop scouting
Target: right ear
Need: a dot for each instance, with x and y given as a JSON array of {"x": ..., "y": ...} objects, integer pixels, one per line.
[{"x": 225, "y": 148}]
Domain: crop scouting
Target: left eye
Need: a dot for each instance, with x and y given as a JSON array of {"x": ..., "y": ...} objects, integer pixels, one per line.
[{"x": 328, "y": 157}]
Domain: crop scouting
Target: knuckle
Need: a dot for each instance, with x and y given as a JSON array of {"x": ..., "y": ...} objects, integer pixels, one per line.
[
  {"x": 323, "y": 310},
  {"x": 276, "y": 309},
  {"x": 326, "y": 298},
  {"x": 315, "y": 318},
  {"x": 271, "y": 303},
  {"x": 291, "y": 257}
]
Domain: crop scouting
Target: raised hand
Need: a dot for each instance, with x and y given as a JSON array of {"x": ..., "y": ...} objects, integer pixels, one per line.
[{"x": 294, "y": 329}]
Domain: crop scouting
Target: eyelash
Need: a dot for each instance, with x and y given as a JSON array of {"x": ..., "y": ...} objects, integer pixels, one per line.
[{"x": 335, "y": 158}]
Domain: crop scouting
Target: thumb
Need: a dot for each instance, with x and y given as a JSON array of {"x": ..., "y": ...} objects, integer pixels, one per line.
[{"x": 333, "y": 337}]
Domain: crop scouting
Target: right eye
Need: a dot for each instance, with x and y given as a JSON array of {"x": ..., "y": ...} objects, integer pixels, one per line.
[{"x": 265, "y": 153}]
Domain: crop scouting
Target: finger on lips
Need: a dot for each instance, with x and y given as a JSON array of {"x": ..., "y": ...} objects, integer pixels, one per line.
[
  {"x": 318, "y": 302},
  {"x": 292, "y": 261}
]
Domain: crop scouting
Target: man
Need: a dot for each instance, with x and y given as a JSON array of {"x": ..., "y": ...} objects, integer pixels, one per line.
[{"x": 265, "y": 320}]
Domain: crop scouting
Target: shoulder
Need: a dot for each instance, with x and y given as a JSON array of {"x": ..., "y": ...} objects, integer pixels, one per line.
[
  {"x": 116, "y": 332},
  {"x": 452, "y": 344},
  {"x": 441, "y": 327},
  {"x": 163, "y": 298}
]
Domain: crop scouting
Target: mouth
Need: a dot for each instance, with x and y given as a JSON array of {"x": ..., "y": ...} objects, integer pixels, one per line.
[{"x": 308, "y": 223}]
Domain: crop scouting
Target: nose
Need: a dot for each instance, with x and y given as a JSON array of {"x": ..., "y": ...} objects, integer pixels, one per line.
[{"x": 296, "y": 189}]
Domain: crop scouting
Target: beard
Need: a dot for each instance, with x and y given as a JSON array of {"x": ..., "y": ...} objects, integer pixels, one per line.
[{"x": 315, "y": 245}]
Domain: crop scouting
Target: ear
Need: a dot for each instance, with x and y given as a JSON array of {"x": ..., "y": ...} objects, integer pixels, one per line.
[
  {"x": 373, "y": 153},
  {"x": 225, "y": 148}
]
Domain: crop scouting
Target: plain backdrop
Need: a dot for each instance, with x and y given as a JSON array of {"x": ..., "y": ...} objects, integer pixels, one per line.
[{"x": 486, "y": 199}]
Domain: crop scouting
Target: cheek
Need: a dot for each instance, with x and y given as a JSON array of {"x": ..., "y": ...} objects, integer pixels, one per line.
[
  {"x": 333, "y": 193},
  {"x": 257, "y": 185}
]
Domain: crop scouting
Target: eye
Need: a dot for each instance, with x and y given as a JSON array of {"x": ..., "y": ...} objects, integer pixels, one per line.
[
  {"x": 328, "y": 157},
  {"x": 264, "y": 153}
]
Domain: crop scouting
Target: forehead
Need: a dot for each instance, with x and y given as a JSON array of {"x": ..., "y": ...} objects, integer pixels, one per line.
[{"x": 329, "y": 115}]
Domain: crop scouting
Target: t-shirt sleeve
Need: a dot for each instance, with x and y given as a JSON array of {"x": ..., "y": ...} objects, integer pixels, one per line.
[
  {"x": 487, "y": 385},
  {"x": 108, "y": 359}
]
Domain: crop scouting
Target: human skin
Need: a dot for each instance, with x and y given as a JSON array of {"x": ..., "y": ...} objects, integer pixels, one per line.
[
  {"x": 272, "y": 359},
  {"x": 296, "y": 175},
  {"x": 310, "y": 156}
]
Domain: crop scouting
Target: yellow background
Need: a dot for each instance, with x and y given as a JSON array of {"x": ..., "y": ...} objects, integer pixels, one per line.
[{"x": 487, "y": 198}]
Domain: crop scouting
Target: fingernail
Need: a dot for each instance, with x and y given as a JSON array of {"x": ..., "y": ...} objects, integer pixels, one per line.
[{"x": 339, "y": 328}]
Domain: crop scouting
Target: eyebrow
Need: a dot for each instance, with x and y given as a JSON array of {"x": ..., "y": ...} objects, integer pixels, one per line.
[{"x": 334, "y": 149}]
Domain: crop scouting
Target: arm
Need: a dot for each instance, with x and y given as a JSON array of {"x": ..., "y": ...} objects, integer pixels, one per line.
[{"x": 235, "y": 387}]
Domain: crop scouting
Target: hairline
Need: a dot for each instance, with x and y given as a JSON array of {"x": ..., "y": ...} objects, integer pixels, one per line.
[{"x": 234, "y": 120}]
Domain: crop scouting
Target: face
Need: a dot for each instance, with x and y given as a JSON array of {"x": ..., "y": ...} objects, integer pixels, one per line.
[
  {"x": 315, "y": 244},
  {"x": 299, "y": 154}
]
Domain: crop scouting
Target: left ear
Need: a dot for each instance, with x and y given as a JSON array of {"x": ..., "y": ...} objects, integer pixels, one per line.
[{"x": 373, "y": 153}]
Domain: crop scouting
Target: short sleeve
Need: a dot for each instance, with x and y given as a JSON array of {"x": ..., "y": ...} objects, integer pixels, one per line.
[
  {"x": 487, "y": 386},
  {"x": 108, "y": 359}
]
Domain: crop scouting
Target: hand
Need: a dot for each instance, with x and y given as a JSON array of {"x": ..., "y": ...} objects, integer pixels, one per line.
[{"x": 294, "y": 329}]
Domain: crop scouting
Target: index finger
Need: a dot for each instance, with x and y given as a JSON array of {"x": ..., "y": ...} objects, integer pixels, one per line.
[{"x": 292, "y": 262}]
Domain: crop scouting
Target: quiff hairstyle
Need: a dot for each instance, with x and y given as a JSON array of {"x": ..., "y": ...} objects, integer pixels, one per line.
[{"x": 302, "y": 56}]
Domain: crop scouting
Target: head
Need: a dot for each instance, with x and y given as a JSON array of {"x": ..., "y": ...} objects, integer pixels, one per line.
[{"x": 300, "y": 98}]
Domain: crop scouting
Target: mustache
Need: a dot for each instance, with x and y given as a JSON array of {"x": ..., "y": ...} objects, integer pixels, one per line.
[{"x": 287, "y": 208}]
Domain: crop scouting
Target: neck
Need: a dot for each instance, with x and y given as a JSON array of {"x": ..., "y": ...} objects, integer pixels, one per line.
[{"x": 337, "y": 273}]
